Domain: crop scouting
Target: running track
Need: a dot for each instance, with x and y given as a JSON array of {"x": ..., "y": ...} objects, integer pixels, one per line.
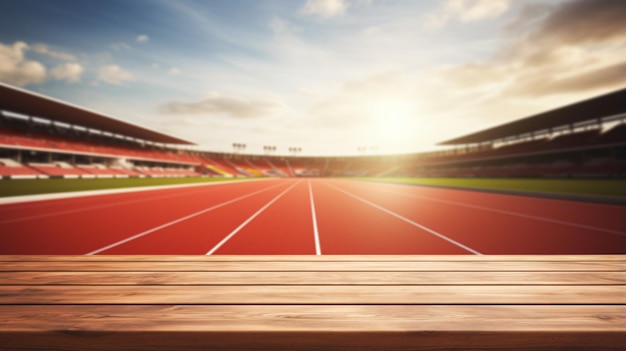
[{"x": 310, "y": 216}]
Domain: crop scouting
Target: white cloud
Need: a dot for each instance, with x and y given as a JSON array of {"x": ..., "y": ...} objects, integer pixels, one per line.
[
  {"x": 577, "y": 47},
  {"x": 217, "y": 105},
  {"x": 15, "y": 69},
  {"x": 465, "y": 11},
  {"x": 142, "y": 38},
  {"x": 280, "y": 26},
  {"x": 45, "y": 50},
  {"x": 434, "y": 21},
  {"x": 173, "y": 71},
  {"x": 70, "y": 72},
  {"x": 325, "y": 8},
  {"x": 114, "y": 74},
  {"x": 120, "y": 46},
  {"x": 476, "y": 10}
]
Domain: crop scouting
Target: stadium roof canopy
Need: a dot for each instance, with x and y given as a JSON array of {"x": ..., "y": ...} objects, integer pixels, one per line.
[
  {"x": 31, "y": 104},
  {"x": 601, "y": 106}
]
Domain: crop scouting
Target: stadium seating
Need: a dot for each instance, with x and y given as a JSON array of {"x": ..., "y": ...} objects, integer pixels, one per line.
[
  {"x": 59, "y": 169},
  {"x": 579, "y": 139},
  {"x": 222, "y": 166},
  {"x": 98, "y": 170},
  {"x": 241, "y": 165},
  {"x": 125, "y": 172},
  {"x": 44, "y": 141},
  {"x": 159, "y": 172},
  {"x": 13, "y": 169},
  {"x": 281, "y": 166},
  {"x": 615, "y": 135},
  {"x": 264, "y": 167}
]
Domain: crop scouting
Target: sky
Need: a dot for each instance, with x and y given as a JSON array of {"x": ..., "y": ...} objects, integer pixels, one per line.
[{"x": 330, "y": 77}]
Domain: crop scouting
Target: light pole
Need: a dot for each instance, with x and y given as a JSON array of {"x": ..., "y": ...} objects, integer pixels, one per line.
[
  {"x": 269, "y": 149},
  {"x": 238, "y": 147}
]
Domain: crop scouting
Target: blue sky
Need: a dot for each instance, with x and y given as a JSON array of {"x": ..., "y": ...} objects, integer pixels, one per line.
[{"x": 328, "y": 76}]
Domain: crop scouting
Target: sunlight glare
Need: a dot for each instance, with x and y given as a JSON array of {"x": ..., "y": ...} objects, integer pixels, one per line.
[{"x": 394, "y": 118}]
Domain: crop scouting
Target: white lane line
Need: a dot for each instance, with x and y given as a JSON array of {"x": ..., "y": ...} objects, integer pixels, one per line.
[
  {"x": 140, "y": 192},
  {"x": 545, "y": 219},
  {"x": 90, "y": 208},
  {"x": 318, "y": 249},
  {"x": 216, "y": 247},
  {"x": 178, "y": 220},
  {"x": 40, "y": 199},
  {"x": 439, "y": 235}
]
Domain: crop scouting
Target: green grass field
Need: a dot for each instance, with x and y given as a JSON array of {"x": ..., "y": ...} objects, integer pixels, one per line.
[
  {"x": 574, "y": 187},
  {"x": 15, "y": 187},
  {"x": 614, "y": 188}
]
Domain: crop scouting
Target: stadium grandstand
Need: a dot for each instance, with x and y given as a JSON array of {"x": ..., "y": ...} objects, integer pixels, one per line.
[{"x": 41, "y": 137}]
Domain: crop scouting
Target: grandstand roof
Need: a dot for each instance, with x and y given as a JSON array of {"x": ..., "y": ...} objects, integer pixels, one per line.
[
  {"x": 598, "y": 107},
  {"x": 28, "y": 103}
]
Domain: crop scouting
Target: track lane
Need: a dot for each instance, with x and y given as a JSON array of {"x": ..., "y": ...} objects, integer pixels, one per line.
[
  {"x": 14, "y": 212},
  {"x": 285, "y": 228},
  {"x": 349, "y": 226},
  {"x": 491, "y": 232},
  {"x": 102, "y": 225},
  {"x": 197, "y": 235},
  {"x": 345, "y": 224},
  {"x": 604, "y": 216}
]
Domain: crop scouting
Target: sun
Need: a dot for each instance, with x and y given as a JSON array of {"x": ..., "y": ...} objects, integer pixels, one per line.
[{"x": 393, "y": 118}]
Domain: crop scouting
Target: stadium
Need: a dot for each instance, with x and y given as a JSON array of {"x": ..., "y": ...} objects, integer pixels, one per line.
[
  {"x": 117, "y": 232},
  {"x": 547, "y": 184},
  {"x": 298, "y": 205}
]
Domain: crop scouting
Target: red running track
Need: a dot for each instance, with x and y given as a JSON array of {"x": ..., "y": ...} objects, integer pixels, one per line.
[{"x": 310, "y": 216}]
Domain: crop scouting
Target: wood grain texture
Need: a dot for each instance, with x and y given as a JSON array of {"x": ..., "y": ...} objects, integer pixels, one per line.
[
  {"x": 313, "y": 294},
  {"x": 307, "y": 278},
  {"x": 314, "y": 318},
  {"x": 463, "y": 302},
  {"x": 315, "y": 266},
  {"x": 311, "y": 258}
]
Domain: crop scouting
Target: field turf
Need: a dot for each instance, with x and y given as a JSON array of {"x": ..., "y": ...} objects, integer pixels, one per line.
[
  {"x": 16, "y": 187},
  {"x": 612, "y": 188},
  {"x": 601, "y": 188}
]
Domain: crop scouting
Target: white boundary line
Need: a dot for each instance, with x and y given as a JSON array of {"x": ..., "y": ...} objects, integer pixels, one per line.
[
  {"x": 507, "y": 212},
  {"x": 318, "y": 249},
  {"x": 90, "y": 208},
  {"x": 439, "y": 235},
  {"x": 75, "y": 194},
  {"x": 178, "y": 220},
  {"x": 229, "y": 236}
]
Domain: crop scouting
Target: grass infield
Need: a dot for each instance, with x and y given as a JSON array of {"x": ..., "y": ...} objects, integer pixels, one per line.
[
  {"x": 615, "y": 188},
  {"x": 612, "y": 188},
  {"x": 16, "y": 187}
]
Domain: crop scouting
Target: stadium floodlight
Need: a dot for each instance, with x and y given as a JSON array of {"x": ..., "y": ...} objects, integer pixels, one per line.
[
  {"x": 269, "y": 149},
  {"x": 238, "y": 147},
  {"x": 295, "y": 150}
]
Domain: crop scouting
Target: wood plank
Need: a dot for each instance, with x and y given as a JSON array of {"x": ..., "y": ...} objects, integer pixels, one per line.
[
  {"x": 314, "y": 266},
  {"x": 310, "y": 258},
  {"x": 135, "y": 328},
  {"x": 78, "y": 340},
  {"x": 340, "y": 318},
  {"x": 305, "y": 294},
  {"x": 311, "y": 303},
  {"x": 310, "y": 278}
]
